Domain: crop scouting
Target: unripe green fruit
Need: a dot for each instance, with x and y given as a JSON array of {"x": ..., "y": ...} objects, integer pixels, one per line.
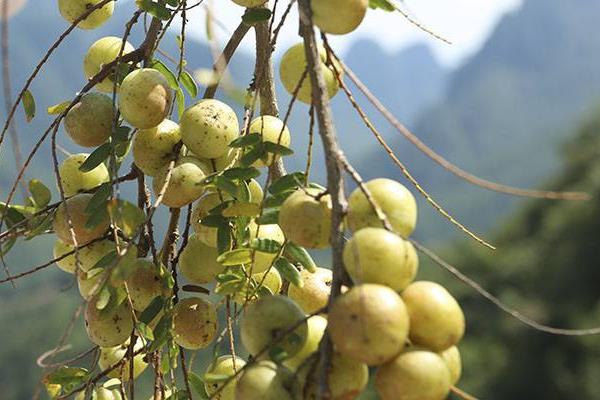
[
  {"x": 185, "y": 184},
  {"x": 270, "y": 279},
  {"x": 194, "y": 323},
  {"x": 102, "y": 52},
  {"x": 393, "y": 198},
  {"x": 338, "y": 17},
  {"x": 89, "y": 123},
  {"x": 369, "y": 323},
  {"x": 109, "y": 327},
  {"x": 89, "y": 283},
  {"x": 374, "y": 255},
  {"x": 73, "y": 180},
  {"x": 305, "y": 220},
  {"x": 153, "y": 148},
  {"x": 223, "y": 365},
  {"x": 145, "y": 98},
  {"x": 314, "y": 294},
  {"x": 208, "y": 127},
  {"x": 452, "y": 359},
  {"x": 144, "y": 284},
  {"x": 250, "y": 3},
  {"x": 292, "y": 67},
  {"x": 436, "y": 319},
  {"x": 198, "y": 262},
  {"x": 269, "y": 317},
  {"x": 72, "y": 10},
  {"x": 110, "y": 356},
  {"x": 414, "y": 374},
  {"x": 206, "y": 234},
  {"x": 266, "y": 381},
  {"x": 316, "y": 329},
  {"x": 88, "y": 255},
  {"x": 273, "y": 130},
  {"x": 262, "y": 261},
  {"x": 76, "y": 206}
]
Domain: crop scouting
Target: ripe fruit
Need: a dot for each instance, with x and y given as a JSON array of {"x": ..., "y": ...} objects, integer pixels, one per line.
[
  {"x": 414, "y": 374},
  {"x": 208, "y": 127},
  {"x": 144, "y": 284},
  {"x": 249, "y": 293},
  {"x": 249, "y": 3},
  {"x": 316, "y": 328},
  {"x": 305, "y": 218},
  {"x": 110, "y": 356},
  {"x": 145, "y": 98},
  {"x": 266, "y": 381},
  {"x": 374, "y": 255},
  {"x": 436, "y": 320},
  {"x": 74, "y": 180},
  {"x": 88, "y": 255},
  {"x": 109, "y": 327},
  {"x": 313, "y": 295},
  {"x": 291, "y": 70},
  {"x": 153, "y": 148},
  {"x": 90, "y": 282},
  {"x": 223, "y": 366},
  {"x": 103, "y": 51},
  {"x": 185, "y": 183},
  {"x": 273, "y": 130},
  {"x": 224, "y": 162},
  {"x": 262, "y": 261},
  {"x": 452, "y": 358},
  {"x": 206, "y": 234},
  {"x": 76, "y": 206},
  {"x": 194, "y": 323},
  {"x": 338, "y": 16},
  {"x": 393, "y": 198},
  {"x": 198, "y": 262},
  {"x": 270, "y": 317},
  {"x": 71, "y": 10},
  {"x": 369, "y": 323},
  {"x": 89, "y": 123}
]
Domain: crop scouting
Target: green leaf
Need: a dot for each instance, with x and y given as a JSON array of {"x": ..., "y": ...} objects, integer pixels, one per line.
[
  {"x": 384, "y": 5},
  {"x": 276, "y": 148},
  {"x": 246, "y": 140},
  {"x": 289, "y": 272},
  {"x": 215, "y": 378},
  {"x": 256, "y": 153},
  {"x": 197, "y": 384},
  {"x": 277, "y": 354},
  {"x": 166, "y": 72},
  {"x": 39, "y": 225},
  {"x": 223, "y": 238},
  {"x": 266, "y": 245},
  {"x": 173, "y": 3},
  {"x": 256, "y": 15},
  {"x": 99, "y": 199},
  {"x": 96, "y": 218},
  {"x": 121, "y": 134},
  {"x": 287, "y": 182},
  {"x": 277, "y": 200},
  {"x": 180, "y": 98},
  {"x": 105, "y": 261},
  {"x": 152, "y": 310},
  {"x": 268, "y": 217},
  {"x": 40, "y": 193},
  {"x": 226, "y": 185},
  {"x": 66, "y": 376},
  {"x": 241, "y": 173},
  {"x": 235, "y": 257},
  {"x": 97, "y": 157},
  {"x": 145, "y": 330},
  {"x": 300, "y": 255},
  {"x": 28, "y": 105},
  {"x": 59, "y": 108},
  {"x": 242, "y": 209},
  {"x": 189, "y": 83},
  {"x": 162, "y": 333},
  {"x": 126, "y": 216},
  {"x": 103, "y": 298},
  {"x": 155, "y": 9},
  {"x": 124, "y": 268},
  {"x": 214, "y": 221}
]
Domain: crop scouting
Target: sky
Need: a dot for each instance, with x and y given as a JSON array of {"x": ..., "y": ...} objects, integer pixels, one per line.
[{"x": 466, "y": 23}]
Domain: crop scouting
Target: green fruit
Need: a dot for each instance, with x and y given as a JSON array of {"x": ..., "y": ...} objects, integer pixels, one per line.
[
  {"x": 269, "y": 317},
  {"x": 250, "y": 3},
  {"x": 305, "y": 220},
  {"x": 314, "y": 294},
  {"x": 194, "y": 323},
  {"x": 224, "y": 162},
  {"x": 206, "y": 234},
  {"x": 436, "y": 320},
  {"x": 369, "y": 323},
  {"x": 273, "y": 130},
  {"x": 414, "y": 374},
  {"x": 223, "y": 365},
  {"x": 338, "y": 16},
  {"x": 262, "y": 261},
  {"x": 198, "y": 262},
  {"x": 144, "y": 284},
  {"x": 208, "y": 127},
  {"x": 393, "y": 198},
  {"x": 74, "y": 180},
  {"x": 374, "y": 255},
  {"x": 110, "y": 356},
  {"x": 291, "y": 70},
  {"x": 102, "y": 52},
  {"x": 108, "y": 327},
  {"x": 266, "y": 381},
  {"x": 72, "y": 10},
  {"x": 90, "y": 282},
  {"x": 145, "y": 98},
  {"x": 153, "y": 148},
  {"x": 451, "y": 357},
  {"x": 88, "y": 255},
  {"x": 316, "y": 328},
  {"x": 256, "y": 192},
  {"x": 185, "y": 184},
  {"x": 76, "y": 206},
  {"x": 249, "y": 293},
  {"x": 89, "y": 123}
]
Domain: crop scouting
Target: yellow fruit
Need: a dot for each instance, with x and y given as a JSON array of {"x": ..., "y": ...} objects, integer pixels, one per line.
[
  {"x": 262, "y": 261},
  {"x": 369, "y": 323},
  {"x": 393, "y": 198},
  {"x": 256, "y": 192},
  {"x": 206, "y": 234},
  {"x": 74, "y": 180},
  {"x": 223, "y": 365},
  {"x": 305, "y": 220},
  {"x": 145, "y": 98},
  {"x": 273, "y": 130},
  {"x": 89, "y": 123},
  {"x": 224, "y": 162},
  {"x": 185, "y": 184},
  {"x": 110, "y": 356},
  {"x": 153, "y": 148},
  {"x": 88, "y": 255},
  {"x": 264, "y": 380},
  {"x": 76, "y": 211},
  {"x": 249, "y": 3},
  {"x": 316, "y": 328},
  {"x": 338, "y": 16},
  {"x": 314, "y": 294},
  {"x": 194, "y": 323},
  {"x": 436, "y": 319},
  {"x": 453, "y": 360},
  {"x": 109, "y": 327},
  {"x": 102, "y": 52},
  {"x": 198, "y": 262},
  {"x": 72, "y": 10},
  {"x": 208, "y": 127},
  {"x": 374, "y": 255},
  {"x": 144, "y": 284}
]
